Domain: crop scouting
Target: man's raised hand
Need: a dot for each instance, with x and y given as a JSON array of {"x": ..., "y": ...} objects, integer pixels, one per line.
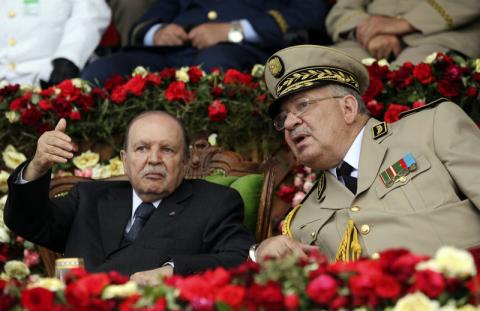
[{"x": 52, "y": 147}]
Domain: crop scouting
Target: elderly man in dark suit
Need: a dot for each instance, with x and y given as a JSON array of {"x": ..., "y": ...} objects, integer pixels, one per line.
[
  {"x": 226, "y": 34},
  {"x": 156, "y": 223}
]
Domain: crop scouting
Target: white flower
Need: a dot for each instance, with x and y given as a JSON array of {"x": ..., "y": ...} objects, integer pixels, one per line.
[
  {"x": 4, "y": 236},
  {"x": 368, "y": 61},
  {"x": 12, "y": 116},
  {"x": 307, "y": 186},
  {"x": 416, "y": 302},
  {"x": 297, "y": 198},
  {"x": 452, "y": 262},
  {"x": 100, "y": 172},
  {"x": 477, "y": 65},
  {"x": 16, "y": 269},
  {"x": 12, "y": 157},
  {"x": 468, "y": 308},
  {"x": 430, "y": 58},
  {"x": 81, "y": 84},
  {"x": 115, "y": 167},
  {"x": 26, "y": 87},
  {"x": 212, "y": 139},
  {"x": 140, "y": 70},
  {"x": 4, "y": 83},
  {"x": 120, "y": 291},
  {"x": 52, "y": 284},
  {"x": 3, "y": 201},
  {"x": 86, "y": 160},
  {"x": 182, "y": 74},
  {"x": 383, "y": 62},
  {"x": 3, "y": 181},
  {"x": 258, "y": 70}
]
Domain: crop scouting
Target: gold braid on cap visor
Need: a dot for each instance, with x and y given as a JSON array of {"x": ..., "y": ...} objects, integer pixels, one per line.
[{"x": 309, "y": 76}]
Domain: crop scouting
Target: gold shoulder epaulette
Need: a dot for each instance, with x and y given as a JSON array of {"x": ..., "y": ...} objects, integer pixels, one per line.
[
  {"x": 288, "y": 220},
  {"x": 431, "y": 104},
  {"x": 279, "y": 19}
]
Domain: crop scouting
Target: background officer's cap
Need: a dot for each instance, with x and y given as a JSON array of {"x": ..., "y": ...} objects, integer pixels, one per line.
[{"x": 302, "y": 67}]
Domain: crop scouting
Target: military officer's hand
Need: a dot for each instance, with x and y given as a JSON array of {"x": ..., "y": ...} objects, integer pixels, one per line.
[
  {"x": 382, "y": 46},
  {"x": 152, "y": 277},
  {"x": 280, "y": 246},
  {"x": 52, "y": 147},
  {"x": 170, "y": 35},
  {"x": 206, "y": 35},
  {"x": 376, "y": 25}
]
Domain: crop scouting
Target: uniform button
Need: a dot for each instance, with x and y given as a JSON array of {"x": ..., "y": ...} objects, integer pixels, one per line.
[
  {"x": 365, "y": 229},
  {"x": 313, "y": 234},
  {"x": 375, "y": 256},
  {"x": 12, "y": 14},
  {"x": 13, "y": 66},
  {"x": 355, "y": 208},
  {"x": 12, "y": 41},
  {"x": 212, "y": 15}
]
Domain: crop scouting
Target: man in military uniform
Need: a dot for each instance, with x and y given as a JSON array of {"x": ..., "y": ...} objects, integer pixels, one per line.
[
  {"x": 412, "y": 184},
  {"x": 406, "y": 30}
]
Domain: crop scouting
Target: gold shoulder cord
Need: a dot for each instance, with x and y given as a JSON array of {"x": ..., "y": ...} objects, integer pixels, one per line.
[
  {"x": 288, "y": 220},
  {"x": 349, "y": 248},
  {"x": 279, "y": 19},
  {"x": 443, "y": 13}
]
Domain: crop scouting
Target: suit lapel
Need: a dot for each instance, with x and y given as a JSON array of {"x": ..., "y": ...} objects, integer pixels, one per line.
[
  {"x": 336, "y": 195},
  {"x": 168, "y": 210},
  {"x": 115, "y": 209},
  {"x": 371, "y": 157}
]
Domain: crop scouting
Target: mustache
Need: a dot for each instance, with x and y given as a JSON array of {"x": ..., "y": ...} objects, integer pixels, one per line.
[
  {"x": 154, "y": 169},
  {"x": 299, "y": 130}
]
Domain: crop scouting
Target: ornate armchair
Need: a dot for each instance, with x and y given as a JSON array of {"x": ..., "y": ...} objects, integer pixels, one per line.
[{"x": 204, "y": 161}]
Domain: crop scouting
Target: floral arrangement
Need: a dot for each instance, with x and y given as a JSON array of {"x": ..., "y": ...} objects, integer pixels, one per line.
[
  {"x": 231, "y": 104},
  {"x": 397, "y": 280}
]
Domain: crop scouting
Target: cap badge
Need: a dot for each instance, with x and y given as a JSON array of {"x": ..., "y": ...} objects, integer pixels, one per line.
[{"x": 275, "y": 65}]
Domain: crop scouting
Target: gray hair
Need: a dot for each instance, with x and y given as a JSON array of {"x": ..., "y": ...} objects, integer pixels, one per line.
[
  {"x": 340, "y": 90},
  {"x": 186, "y": 143}
]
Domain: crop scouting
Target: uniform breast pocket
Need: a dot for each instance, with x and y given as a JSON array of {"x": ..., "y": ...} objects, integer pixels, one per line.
[{"x": 404, "y": 196}]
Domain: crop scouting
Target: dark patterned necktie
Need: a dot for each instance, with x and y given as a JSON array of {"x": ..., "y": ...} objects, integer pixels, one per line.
[
  {"x": 143, "y": 212},
  {"x": 344, "y": 172}
]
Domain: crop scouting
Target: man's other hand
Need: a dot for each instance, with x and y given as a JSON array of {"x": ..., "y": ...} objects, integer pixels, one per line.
[
  {"x": 206, "y": 35},
  {"x": 280, "y": 246},
  {"x": 152, "y": 277},
  {"x": 52, "y": 147},
  {"x": 382, "y": 46},
  {"x": 170, "y": 35},
  {"x": 376, "y": 25}
]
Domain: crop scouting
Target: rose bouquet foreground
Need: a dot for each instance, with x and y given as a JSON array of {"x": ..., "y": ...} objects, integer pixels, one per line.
[{"x": 396, "y": 280}]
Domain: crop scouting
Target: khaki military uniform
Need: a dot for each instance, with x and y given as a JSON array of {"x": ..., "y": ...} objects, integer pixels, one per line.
[
  {"x": 442, "y": 24},
  {"x": 434, "y": 205}
]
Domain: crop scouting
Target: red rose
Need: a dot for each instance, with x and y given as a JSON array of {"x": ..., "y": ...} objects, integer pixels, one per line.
[
  {"x": 453, "y": 72},
  {"x": 387, "y": 257},
  {"x": 374, "y": 89},
  {"x": 476, "y": 76},
  {"x": 404, "y": 266},
  {"x": 82, "y": 291},
  {"x": 430, "y": 283},
  {"x": 217, "y": 112},
  {"x": 45, "y": 104},
  {"x": 473, "y": 285},
  {"x": 387, "y": 287},
  {"x": 402, "y": 77},
  {"x": 286, "y": 193},
  {"x": 30, "y": 258},
  {"x": 423, "y": 73},
  {"x": 31, "y": 116},
  {"x": 216, "y": 91},
  {"x": 266, "y": 297},
  {"x": 232, "y": 295},
  {"x": 218, "y": 277},
  {"x": 472, "y": 92},
  {"x": 48, "y": 92},
  {"x": 128, "y": 303},
  {"x": 291, "y": 302},
  {"x": 340, "y": 302},
  {"x": 376, "y": 71},
  {"x": 375, "y": 108},
  {"x": 117, "y": 278},
  {"x": 167, "y": 73},
  {"x": 393, "y": 111},
  {"x": 9, "y": 89},
  {"x": 233, "y": 76},
  {"x": 361, "y": 285},
  {"x": 113, "y": 82},
  {"x": 177, "y": 90},
  {"x": 68, "y": 91},
  {"x": 75, "y": 115},
  {"x": 194, "y": 287},
  {"x": 119, "y": 94},
  {"x": 448, "y": 89},
  {"x": 153, "y": 78},
  {"x": 37, "y": 299},
  {"x": 323, "y": 289},
  {"x": 261, "y": 98},
  {"x": 194, "y": 74},
  {"x": 135, "y": 85}
]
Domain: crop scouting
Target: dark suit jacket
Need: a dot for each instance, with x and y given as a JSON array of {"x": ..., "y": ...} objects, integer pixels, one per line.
[
  {"x": 275, "y": 29},
  {"x": 199, "y": 226}
]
